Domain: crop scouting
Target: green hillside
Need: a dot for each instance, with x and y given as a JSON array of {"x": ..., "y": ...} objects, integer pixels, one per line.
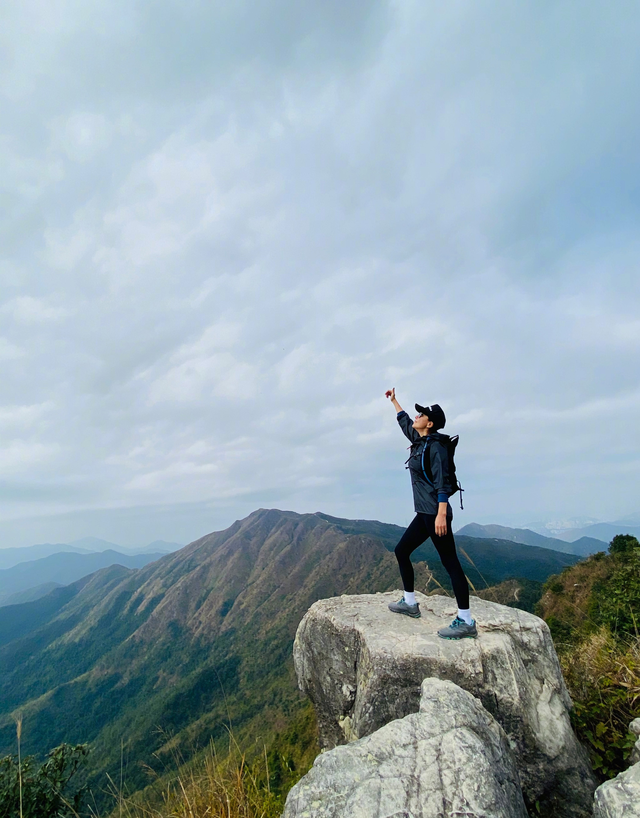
[
  {"x": 486, "y": 561},
  {"x": 165, "y": 658},
  {"x": 593, "y": 612}
]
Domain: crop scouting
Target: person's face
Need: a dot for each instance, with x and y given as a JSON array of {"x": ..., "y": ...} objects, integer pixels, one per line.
[{"x": 422, "y": 423}]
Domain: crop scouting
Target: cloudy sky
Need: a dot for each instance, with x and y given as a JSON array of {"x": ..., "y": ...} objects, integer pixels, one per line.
[{"x": 228, "y": 228}]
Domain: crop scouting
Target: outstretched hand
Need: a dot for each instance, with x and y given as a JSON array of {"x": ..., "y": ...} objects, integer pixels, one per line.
[{"x": 391, "y": 393}]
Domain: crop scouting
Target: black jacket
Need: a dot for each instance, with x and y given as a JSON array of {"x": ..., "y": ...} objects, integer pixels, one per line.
[{"x": 426, "y": 494}]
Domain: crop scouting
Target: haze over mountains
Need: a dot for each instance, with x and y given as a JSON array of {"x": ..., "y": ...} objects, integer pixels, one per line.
[
  {"x": 581, "y": 547},
  {"x": 602, "y": 531},
  {"x": 572, "y": 530},
  {"x": 163, "y": 657},
  {"x": 31, "y": 572},
  {"x": 87, "y": 545},
  {"x": 38, "y": 577}
]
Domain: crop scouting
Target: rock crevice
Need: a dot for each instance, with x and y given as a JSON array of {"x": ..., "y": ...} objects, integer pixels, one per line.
[{"x": 414, "y": 767}]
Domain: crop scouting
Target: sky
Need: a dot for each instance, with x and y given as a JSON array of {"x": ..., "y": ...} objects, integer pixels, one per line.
[{"x": 228, "y": 228}]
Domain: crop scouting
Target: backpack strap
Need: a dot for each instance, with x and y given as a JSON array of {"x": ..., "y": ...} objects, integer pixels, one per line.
[
  {"x": 453, "y": 442},
  {"x": 450, "y": 447},
  {"x": 428, "y": 476}
]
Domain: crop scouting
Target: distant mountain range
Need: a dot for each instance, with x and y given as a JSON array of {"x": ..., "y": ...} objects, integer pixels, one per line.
[
  {"x": 38, "y": 577},
  {"x": 484, "y": 563},
  {"x": 87, "y": 545},
  {"x": 581, "y": 548},
  {"x": 572, "y": 530},
  {"x": 30, "y": 594},
  {"x": 602, "y": 531},
  {"x": 166, "y": 656}
]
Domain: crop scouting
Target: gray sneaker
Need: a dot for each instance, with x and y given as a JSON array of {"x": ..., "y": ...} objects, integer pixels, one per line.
[
  {"x": 459, "y": 629},
  {"x": 404, "y": 608}
]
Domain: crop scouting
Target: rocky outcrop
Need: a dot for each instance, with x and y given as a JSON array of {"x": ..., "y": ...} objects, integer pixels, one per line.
[
  {"x": 363, "y": 667},
  {"x": 620, "y": 797},
  {"x": 449, "y": 759},
  {"x": 634, "y": 728}
]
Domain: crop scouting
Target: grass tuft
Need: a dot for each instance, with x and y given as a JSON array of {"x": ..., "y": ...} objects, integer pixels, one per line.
[
  {"x": 603, "y": 677},
  {"x": 212, "y": 788}
]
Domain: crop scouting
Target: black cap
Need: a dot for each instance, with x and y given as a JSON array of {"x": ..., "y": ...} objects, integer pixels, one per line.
[{"x": 434, "y": 413}]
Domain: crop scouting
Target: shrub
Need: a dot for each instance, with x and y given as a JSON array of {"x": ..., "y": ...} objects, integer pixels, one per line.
[
  {"x": 594, "y": 625},
  {"x": 603, "y": 677},
  {"x": 615, "y": 603},
  {"x": 560, "y": 631},
  {"x": 45, "y": 787},
  {"x": 623, "y": 544}
]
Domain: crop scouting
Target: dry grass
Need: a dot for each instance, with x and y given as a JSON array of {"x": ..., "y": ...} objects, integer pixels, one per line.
[
  {"x": 602, "y": 661},
  {"x": 571, "y": 605},
  {"x": 504, "y": 593},
  {"x": 212, "y": 788},
  {"x": 603, "y": 677}
]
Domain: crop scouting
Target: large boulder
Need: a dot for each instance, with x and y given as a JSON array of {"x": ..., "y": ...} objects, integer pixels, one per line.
[
  {"x": 634, "y": 728},
  {"x": 449, "y": 759},
  {"x": 620, "y": 797},
  {"x": 363, "y": 666}
]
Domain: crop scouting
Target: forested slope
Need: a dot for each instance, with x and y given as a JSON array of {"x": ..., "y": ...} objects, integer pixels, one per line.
[{"x": 162, "y": 659}]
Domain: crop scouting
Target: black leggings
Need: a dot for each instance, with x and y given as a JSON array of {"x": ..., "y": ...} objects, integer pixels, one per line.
[{"x": 421, "y": 528}]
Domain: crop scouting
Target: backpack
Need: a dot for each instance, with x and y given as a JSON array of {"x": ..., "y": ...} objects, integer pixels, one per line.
[{"x": 454, "y": 484}]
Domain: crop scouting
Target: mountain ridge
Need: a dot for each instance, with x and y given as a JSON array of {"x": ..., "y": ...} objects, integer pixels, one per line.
[
  {"x": 12, "y": 556},
  {"x": 30, "y": 594},
  {"x": 603, "y": 531},
  {"x": 582, "y": 547},
  {"x": 539, "y": 561},
  {"x": 195, "y": 639},
  {"x": 63, "y": 568}
]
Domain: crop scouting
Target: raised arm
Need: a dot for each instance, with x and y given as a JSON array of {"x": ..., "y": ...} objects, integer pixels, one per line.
[
  {"x": 391, "y": 393},
  {"x": 404, "y": 421}
]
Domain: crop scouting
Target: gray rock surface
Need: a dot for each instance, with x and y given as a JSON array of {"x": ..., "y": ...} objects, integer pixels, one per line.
[
  {"x": 450, "y": 759},
  {"x": 634, "y": 727},
  {"x": 620, "y": 797},
  {"x": 363, "y": 666}
]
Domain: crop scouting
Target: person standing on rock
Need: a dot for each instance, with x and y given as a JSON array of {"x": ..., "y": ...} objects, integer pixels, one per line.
[{"x": 433, "y": 514}]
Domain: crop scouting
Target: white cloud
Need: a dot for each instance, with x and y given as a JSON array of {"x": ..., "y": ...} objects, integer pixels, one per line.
[
  {"x": 66, "y": 248},
  {"x": 9, "y": 351},
  {"x": 23, "y": 417},
  {"x": 627, "y": 332},
  {"x": 219, "y": 374},
  {"x": 26, "y": 309},
  {"x": 20, "y": 457},
  {"x": 26, "y": 177},
  {"x": 232, "y": 228},
  {"x": 82, "y": 135}
]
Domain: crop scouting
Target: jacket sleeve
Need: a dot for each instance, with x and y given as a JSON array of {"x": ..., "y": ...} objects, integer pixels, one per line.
[
  {"x": 406, "y": 424},
  {"x": 440, "y": 470}
]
